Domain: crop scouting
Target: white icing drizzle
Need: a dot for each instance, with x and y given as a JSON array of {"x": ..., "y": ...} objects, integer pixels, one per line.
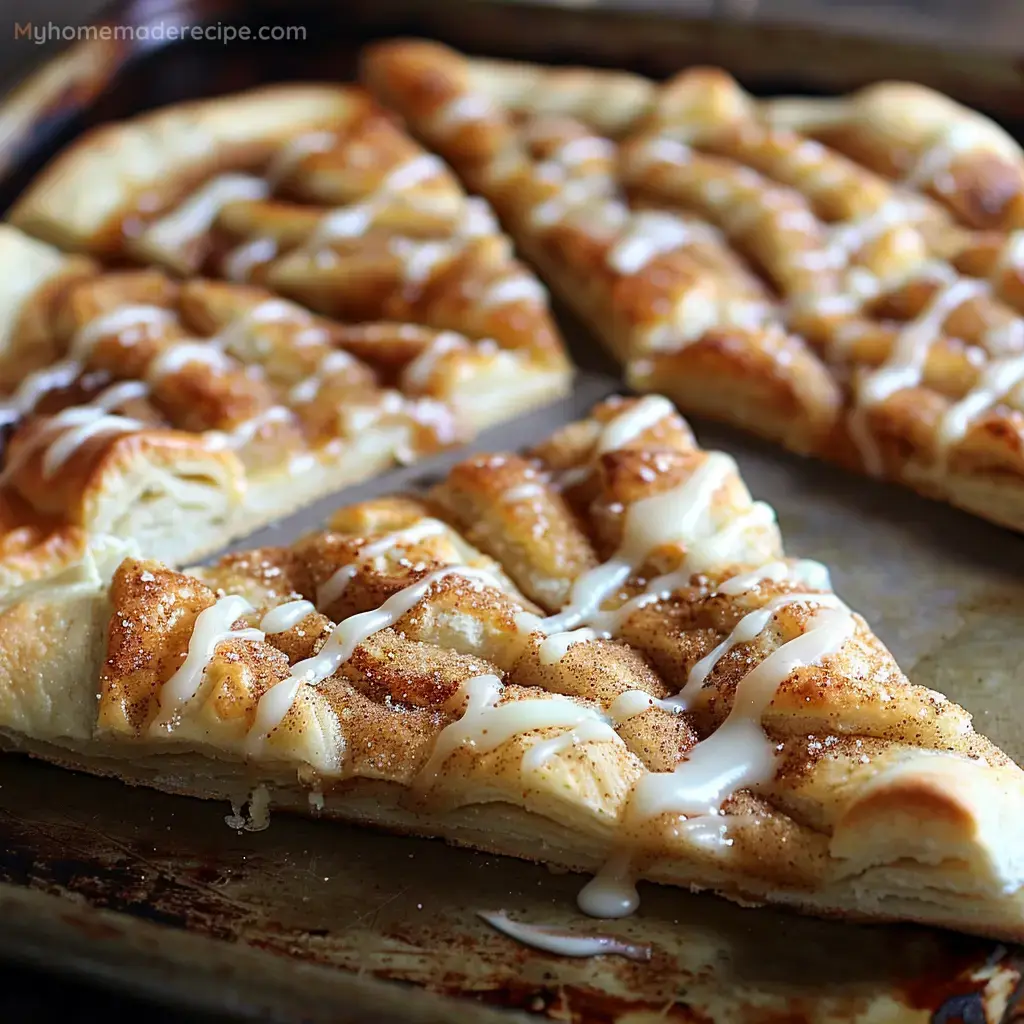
[
  {"x": 676, "y": 516},
  {"x": 747, "y": 629},
  {"x": 293, "y": 152},
  {"x": 239, "y": 262},
  {"x": 466, "y": 108},
  {"x": 592, "y": 729},
  {"x": 79, "y": 423},
  {"x": 996, "y": 381},
  {"x": 240, "y": 435},
  {"x": 664, "y": 150},
  {"x": 119, "y": 322},
  {"x": 286, "y": 616},
  {"x": 529, "y": 491},
  {"x": 34, "y": 386},
  {"x": 418, "y": 372},
  {"x": 419, "y": 259},
  {"x": 577, "y": 193},
  {"x": 553, "y": 648},
  {"x": 331, "y": 589},
  {"x": 175, "y": 358},
  {"x": 477, "y": 219},
  {"x": 1011, "y": 256},
  {"x": 213, "y": 626},
  {"x": 633, "y": 422},
  {"x": 354, "y": 220},
  {"x": 334, "y": 362},
  {"x": 631, "y": 703},
  {"x": 277, "y": 701},
  {"x": 848, "y": 238},
  {"x": 583, "y": 149},
  {"x": 77, "y": 430},
  {"x": 651, "y": 233},
  {"x": 194, "y": 217},
  {"x": 739, "y": 754},
  {"x": 516, "y": 288},
  {"x": 552, "y": 940},
  {"x": 905, "y": 366},
  {"x": 933, "y": 163},
  {"x": 485, "y": 725}
]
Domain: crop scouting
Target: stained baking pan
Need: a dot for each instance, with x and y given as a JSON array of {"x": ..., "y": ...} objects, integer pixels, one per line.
[{"x": 311, "y": 921}]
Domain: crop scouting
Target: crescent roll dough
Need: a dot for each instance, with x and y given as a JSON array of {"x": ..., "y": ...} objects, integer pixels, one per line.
[{"x": 595, "y": 654}]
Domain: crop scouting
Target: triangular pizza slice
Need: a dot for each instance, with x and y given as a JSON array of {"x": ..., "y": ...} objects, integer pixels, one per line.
[
  {"x": 372, "y": 313},
  {"x": 843, "y": 275},
  {"x": 595, "y": 654}
]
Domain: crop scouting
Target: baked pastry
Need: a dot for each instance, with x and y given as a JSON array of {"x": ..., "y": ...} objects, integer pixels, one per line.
[
  {"x": 145, "y": 401},
  {"x": 844, "y": 275},
  {"x": 595, "y": 655}
]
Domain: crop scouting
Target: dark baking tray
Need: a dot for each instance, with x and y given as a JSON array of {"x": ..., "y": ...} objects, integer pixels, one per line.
[{"x": 154, "y": 895}]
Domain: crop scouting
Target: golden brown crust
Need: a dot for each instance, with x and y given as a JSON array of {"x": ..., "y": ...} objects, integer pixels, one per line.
[
  {"x": 454, "y": 700},
  {"x": 881, "y": 327}
]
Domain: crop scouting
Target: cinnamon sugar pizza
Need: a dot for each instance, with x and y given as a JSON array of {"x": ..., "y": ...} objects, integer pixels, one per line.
[
  {"x": 845, "y": 276},
  {"x": 230, "y": 307},
  {"x": 595, "y": 654}
]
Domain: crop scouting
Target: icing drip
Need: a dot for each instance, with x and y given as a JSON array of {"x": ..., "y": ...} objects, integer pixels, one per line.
[
  {"x": 631, "y": 703},
  {"x": 331, "y": 589},
  {"x": 582, "y": 150},
  {"x": 629, "y": 425},
  {"x": 76, "y": 425},
  {"x": 552, "y": 940},
  {"x": 529, "y": 491},
  {"x": 611, "y": 893},
  {"x": 554, "y": 648},
  {"x": 276, "y": 702},
  {"x": 905, "y": 366},
  {"x": 213, "y": 627},
  {"x": 286, "y": 616}
]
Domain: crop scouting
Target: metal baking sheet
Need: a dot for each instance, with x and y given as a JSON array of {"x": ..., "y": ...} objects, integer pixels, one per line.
[{"x": 318, "y": 922}]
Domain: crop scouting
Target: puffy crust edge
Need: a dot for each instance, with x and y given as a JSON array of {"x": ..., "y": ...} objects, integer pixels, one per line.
[{"x": 159, "y": 152}]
